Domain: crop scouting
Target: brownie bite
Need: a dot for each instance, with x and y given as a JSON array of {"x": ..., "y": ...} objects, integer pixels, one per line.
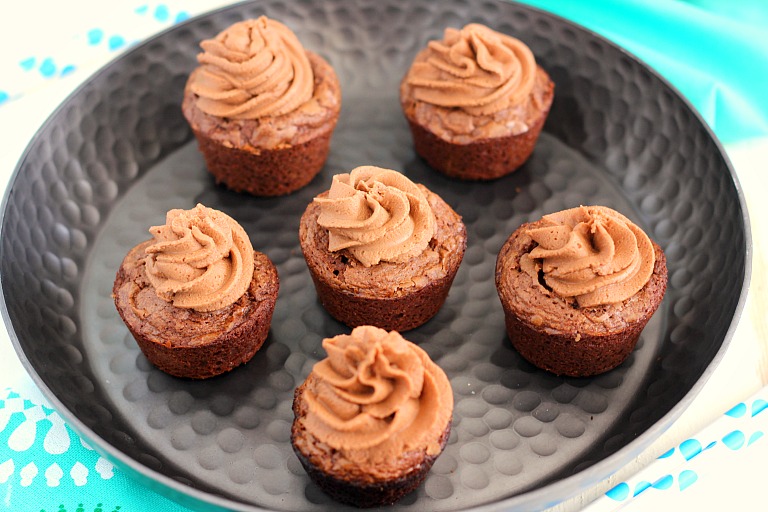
[
  {"x": 197, "y": 298},
  {"x": 578, "y": 287},
  {"x": 476, "y": 102},
  {"x": 371, "y": 418},
  {"x": 381, "y": 249},
  {"x": 262, "y": 108}
]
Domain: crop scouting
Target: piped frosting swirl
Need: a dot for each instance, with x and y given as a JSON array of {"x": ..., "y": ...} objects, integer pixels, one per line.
[
  {"x": 200, "y": 259},
  {"x": 253, "y": 69},
  {"x": 590, "y": 253},
  {"x": 476, "y": 69},
  {"x": 377, "y": 215},
  {"x": 378, "y": 395}
]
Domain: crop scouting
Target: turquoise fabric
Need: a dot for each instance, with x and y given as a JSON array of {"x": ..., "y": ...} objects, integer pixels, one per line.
[{"x": 714, "y": 51}]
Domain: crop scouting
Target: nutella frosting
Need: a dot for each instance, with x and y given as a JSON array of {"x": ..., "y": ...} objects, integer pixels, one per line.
[
  {"x": 201, "y": 259},
  {"x": 475, "y": 69},
  {"x": 592, "y": 254},
  {"x": 377, "y": 215},
  {"x": 377, "y": 396},
  {"x": 253, "y": 69}
]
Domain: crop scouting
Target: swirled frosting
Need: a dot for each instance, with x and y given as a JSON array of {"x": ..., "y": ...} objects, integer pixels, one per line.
[
  {"x": 591, "y": 253},
  {"x": 253, "y": 69},
  {"x": 377, "y": 215},
  {"x": 201, "y": 259},
  {"x": 378, "y": 395},
  {"x": 476, "y": 69}
]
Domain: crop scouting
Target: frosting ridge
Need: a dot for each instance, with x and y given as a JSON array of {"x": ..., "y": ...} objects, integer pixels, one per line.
[
  {"x": 378, "y": 395},
  {"x": 377, "y": 214},
  {"x": 200, "y": 259},
  {"x": 475, "y": 68},
  {"x": 591, "y": 253},
  {"x": 254, "y": 68}
]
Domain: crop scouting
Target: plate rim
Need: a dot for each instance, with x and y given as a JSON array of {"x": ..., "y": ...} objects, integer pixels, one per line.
[{"x": 594, "y": 474}]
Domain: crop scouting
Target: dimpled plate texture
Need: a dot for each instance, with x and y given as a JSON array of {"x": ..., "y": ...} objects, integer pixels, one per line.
[{"x": 118, "y": 154}]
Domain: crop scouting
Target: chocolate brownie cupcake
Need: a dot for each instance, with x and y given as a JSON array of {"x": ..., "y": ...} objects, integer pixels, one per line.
[
  {"x": 262, "y": 108},
  {"x": 197, "y": 298},
  {"x": 475, "y": 102},
  {"x": 371, "y": 418},
  {"x": 381, "y": 249},
  {"x": 577, "y": 288}
]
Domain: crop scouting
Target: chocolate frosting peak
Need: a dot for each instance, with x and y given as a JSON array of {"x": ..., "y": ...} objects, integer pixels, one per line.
[
  {"x": 477, "y": 69},
  {"x": 593, "y": 254},
  {"x": 253, "y": 69},
  {"x": 378, "y": 215},
  {"x": 378, "y": 395},
  {"x": 201, "y": 259}
]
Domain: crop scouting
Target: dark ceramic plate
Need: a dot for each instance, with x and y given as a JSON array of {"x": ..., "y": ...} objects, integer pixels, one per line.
[{"x": 117, "y": 155}]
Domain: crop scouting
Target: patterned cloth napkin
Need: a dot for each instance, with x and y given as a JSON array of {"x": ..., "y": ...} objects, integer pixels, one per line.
[
  {"x": 712, "y": 50},
  {"x": 695, "y": 466},
  {"x": 46, "y": 467}
]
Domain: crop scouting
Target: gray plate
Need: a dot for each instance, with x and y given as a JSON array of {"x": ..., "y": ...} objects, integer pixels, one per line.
[{"x": 117, "y": 155}]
